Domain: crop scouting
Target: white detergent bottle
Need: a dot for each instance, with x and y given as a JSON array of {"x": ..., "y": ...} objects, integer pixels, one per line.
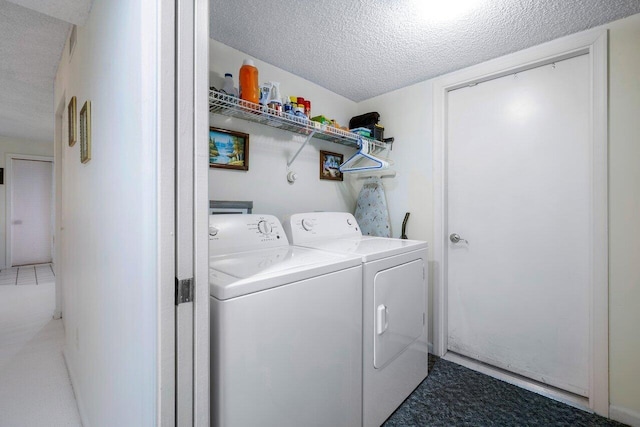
[{"x": 228, "y": 85}]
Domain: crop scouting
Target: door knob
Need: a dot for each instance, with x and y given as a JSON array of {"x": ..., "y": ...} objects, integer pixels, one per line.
[{"x": 455, "y": 238}]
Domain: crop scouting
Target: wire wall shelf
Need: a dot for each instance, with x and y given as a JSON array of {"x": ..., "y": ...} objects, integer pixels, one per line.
[{"x": 227, "y": 105}]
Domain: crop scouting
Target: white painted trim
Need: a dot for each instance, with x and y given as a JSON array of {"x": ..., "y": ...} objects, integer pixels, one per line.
[
  {"x": 165, "y": 125},
  {"x": 439, "y": 304},
  {"x": 599, "y": 304},
  {"x": 9, "y": 191},
  {"x": 594, "y": 43},
  {"x": 58, "y": 147},
  {"x": 192, "y": 201},
  {"x": 201, "y": 215},
  {"x": 624, "y": 415},
  {"x": 184, "y": 199}
]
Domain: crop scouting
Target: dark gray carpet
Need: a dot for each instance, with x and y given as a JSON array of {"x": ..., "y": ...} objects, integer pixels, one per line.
[{"x": 453, "y": 395}]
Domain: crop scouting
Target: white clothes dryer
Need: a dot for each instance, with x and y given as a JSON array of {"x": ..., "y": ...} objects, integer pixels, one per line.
[
  {"x": 286, "y": 328},
  {"x": 395, "y": 355}
]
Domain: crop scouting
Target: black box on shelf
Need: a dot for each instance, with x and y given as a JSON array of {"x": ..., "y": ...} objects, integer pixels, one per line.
[{"x": 369, "y": 121}]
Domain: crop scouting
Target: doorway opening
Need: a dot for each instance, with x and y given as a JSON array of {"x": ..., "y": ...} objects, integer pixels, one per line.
[{"x": 29, "y": 210}]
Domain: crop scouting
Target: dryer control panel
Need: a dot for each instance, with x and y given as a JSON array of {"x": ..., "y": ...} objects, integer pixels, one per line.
[
  {"x": 305, "y": 227},
  {"x": 229, "y": 233}
]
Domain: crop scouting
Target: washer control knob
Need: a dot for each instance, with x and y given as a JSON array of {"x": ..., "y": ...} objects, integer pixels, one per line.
[
  {"x": 213, "y": 231},
  {"x": 349, "y": 221},
  {"x": 307, "y": 224},
  {"x": 264, "y": 227}
]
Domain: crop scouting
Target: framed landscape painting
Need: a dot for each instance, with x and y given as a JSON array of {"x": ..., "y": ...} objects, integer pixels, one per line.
[{"x": 228, "y": 149}]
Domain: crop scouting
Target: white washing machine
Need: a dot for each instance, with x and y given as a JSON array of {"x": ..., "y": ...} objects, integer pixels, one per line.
[
  {"x": 395, "y": 355},
  {"x": 286, "y": 328}
]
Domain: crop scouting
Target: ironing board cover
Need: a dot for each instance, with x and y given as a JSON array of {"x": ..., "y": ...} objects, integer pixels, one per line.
[{"x": 372, "y": 213}]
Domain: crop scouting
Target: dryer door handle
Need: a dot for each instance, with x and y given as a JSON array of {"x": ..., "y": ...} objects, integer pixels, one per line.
[{"x": 382, "y": 319}]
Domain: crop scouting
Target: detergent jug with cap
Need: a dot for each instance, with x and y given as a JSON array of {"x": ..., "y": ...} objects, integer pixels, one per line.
[{"x": 249, "y": 90}]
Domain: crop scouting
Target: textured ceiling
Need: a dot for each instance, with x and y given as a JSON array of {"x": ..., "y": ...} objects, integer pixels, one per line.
[
  {"x": 364, "y": 48},
  {"x": 31, "y": 43},
  {"x": 358, "y": 48}
]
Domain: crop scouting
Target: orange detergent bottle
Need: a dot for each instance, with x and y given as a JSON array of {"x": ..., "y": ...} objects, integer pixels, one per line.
[{"x": 249, "y": 90}]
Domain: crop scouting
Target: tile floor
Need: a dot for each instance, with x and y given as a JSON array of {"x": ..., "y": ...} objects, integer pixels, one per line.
[
  {"x": 35, "y": 389},
  {"x": 27, "y": 275}
]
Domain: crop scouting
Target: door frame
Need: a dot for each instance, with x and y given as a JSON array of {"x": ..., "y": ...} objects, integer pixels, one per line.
[
  {"x": 594, "y": 44},
  {"x": 201, "y": 323},
  {"x": 58, "y": 168},
  {"x": 186, "y": 155},
  {"x": 165, "y": 128},
  {"x": 182, "y": 124},
  {"x": 9, "y": 192}
]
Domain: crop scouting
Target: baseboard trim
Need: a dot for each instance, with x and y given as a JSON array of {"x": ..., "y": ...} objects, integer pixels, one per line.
[
  {"x": 520, "y": 381},
  {"x": 624, "y": 415},
  {"x": 74, "y": 384}
]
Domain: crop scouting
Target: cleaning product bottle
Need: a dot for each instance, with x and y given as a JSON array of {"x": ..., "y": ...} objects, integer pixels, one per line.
[
  {"x": 249, "y": 90},
  {"x": 275, "y": 100},
  {"x": 228, "y": 87}
]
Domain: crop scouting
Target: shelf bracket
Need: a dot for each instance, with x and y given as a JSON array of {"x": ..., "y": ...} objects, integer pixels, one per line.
[{"x": 306, "y": 141}]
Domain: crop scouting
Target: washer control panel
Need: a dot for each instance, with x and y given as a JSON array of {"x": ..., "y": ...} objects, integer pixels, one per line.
[
  {"x": 230, "y": 233},
  {"x": 307, "y": 224},
  {"x": 264, "y": 227},
  {"x": 305, "y": 227}
]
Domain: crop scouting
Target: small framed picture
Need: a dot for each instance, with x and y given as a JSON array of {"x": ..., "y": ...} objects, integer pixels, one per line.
[
  {"x": 228, "y": 149},
  {"x": 85, "y": 132},
  {"x": 73, "y": 121},
  {"x": 329, "y": 165}
]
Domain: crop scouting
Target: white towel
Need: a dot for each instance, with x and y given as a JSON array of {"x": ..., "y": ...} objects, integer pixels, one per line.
[{"x": 371, "y": 209}]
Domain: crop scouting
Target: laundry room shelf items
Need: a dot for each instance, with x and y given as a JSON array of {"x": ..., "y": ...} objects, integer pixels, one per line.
[{"x": 227, "y": 105}]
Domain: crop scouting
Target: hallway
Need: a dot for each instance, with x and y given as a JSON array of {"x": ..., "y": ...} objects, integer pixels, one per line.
[{"x": 34, "y": 384}]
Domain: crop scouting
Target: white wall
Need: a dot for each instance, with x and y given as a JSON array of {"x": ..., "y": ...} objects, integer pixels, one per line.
[
  {"x": 108, "y": 255},
  {"x": 265, "y": 183},
  {"x": 624, "y": 218},
  {"x": 407, "y": 115},
  {"x": 15, "y": 146}
]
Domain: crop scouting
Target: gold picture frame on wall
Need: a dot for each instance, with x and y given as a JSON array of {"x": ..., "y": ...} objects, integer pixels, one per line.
[
  {"x": 73, "y": 121},
  {"x": 85, "y": 132}
]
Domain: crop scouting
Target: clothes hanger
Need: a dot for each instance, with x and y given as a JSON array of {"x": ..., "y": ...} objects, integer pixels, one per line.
[{"x": 363, "y": 152}]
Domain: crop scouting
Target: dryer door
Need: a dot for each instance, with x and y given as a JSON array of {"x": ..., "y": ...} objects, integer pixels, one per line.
[{"x": 399, "y": 310}]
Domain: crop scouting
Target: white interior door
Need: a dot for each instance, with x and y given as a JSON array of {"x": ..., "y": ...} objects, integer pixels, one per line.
[
  {"x": 31, "y": 211},
  {"x": 518, "y": 188}
]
